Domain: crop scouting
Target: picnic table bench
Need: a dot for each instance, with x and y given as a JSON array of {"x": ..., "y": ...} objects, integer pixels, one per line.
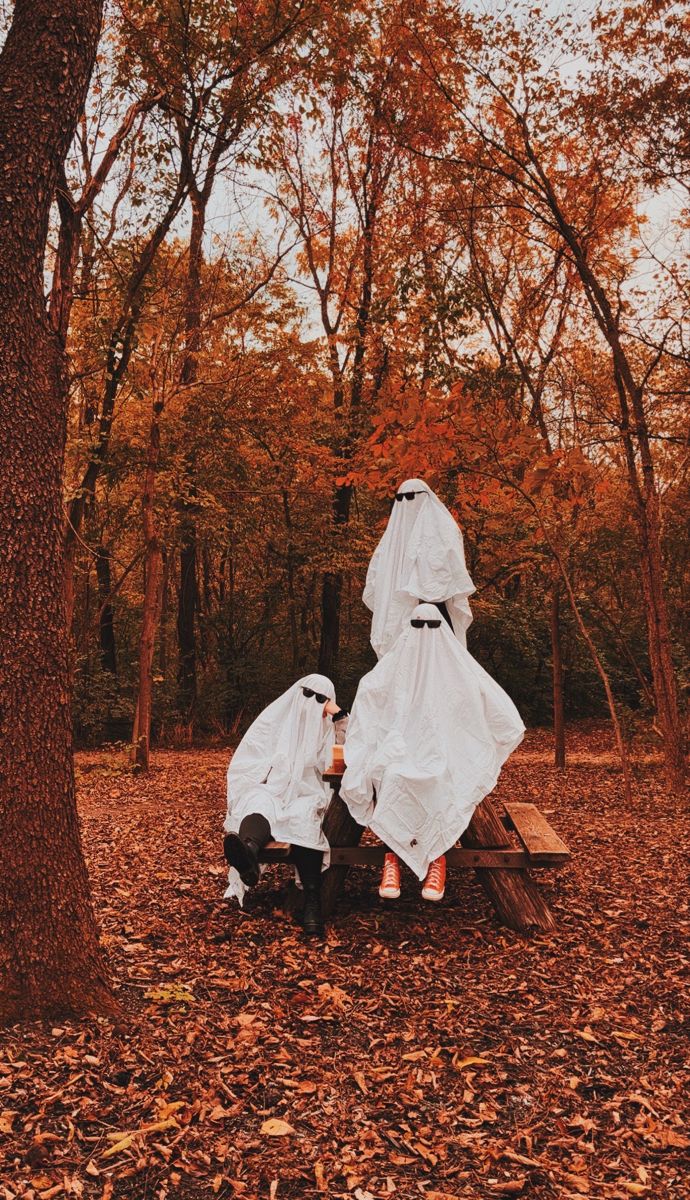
[{"x": 486, "y": 846}]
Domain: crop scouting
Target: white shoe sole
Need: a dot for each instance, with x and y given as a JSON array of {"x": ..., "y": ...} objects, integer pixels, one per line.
[
  {"x": 433, "y": 896},
  {"x": 389, "y": 893}
]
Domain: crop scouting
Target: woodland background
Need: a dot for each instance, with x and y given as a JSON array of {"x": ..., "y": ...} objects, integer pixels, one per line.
[
  {"x": 298, "y": 252},
  {"x": 302, "y": 252}
]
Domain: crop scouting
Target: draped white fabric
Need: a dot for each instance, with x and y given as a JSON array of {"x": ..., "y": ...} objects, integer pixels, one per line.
[
  {"x": 277, "y": 770},
  {"x": 421, "y": 556},
  {"x": 427, "y": 737}
]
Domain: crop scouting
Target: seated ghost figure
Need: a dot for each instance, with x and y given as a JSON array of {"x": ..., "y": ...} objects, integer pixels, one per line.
[
  {"x": 420, "y": 557},
  {"x": 428, "y": 735},
  {"x": 276, "y": 789}
]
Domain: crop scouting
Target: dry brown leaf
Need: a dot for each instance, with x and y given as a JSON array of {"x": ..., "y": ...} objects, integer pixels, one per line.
[
  {"x": 320, "y": 1177},
  {"x": 587, "y": 1035},
  {"x": 274, "y": 1127},
  {"x": 579, "y": 1182}
]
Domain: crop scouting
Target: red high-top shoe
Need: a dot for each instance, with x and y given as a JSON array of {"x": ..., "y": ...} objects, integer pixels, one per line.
[
  {"x": 389, "y": 888},
  {"x": 435, "y": 882}
]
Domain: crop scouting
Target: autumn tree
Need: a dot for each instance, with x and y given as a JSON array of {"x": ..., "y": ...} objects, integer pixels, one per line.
[
  {"x": 50, "y": 958},
  {"x": 335, "y": 167},
  {"x": 534, "y": 151}
]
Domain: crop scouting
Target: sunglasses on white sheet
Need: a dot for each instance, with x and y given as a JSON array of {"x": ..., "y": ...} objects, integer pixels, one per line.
[{"x": 399, "y": 496}]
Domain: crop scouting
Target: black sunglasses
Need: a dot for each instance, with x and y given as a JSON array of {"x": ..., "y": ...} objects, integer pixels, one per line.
[
  {"x": 417, "y": 624},
  {"x": 308, "y": 692},
  {"x": 407, "y": 495}
]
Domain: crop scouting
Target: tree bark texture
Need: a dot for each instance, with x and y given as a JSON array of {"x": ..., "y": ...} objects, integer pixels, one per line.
[{"x": 50, "y": 959}]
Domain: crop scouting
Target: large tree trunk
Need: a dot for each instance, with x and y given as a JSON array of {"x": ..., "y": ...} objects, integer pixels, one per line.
[{"x": 50, "y": 958}]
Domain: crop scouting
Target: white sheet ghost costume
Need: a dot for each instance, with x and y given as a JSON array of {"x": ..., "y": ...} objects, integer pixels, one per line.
[
  {"x": 428, "y": 734},
  {"x": 420, "y": 557},
  {"x": 277, "y": 771}
]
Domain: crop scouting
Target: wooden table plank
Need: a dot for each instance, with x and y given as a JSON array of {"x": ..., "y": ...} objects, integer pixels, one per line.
[
  {"x": 515, "y": 896},
  {"x": 372, "y": 856},
  {"x": 507, "y": 882},
  {"x": 541, "y": 842}
]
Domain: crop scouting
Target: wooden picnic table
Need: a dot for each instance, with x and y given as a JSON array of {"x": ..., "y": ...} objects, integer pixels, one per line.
[{"x": 503, "y": 869}]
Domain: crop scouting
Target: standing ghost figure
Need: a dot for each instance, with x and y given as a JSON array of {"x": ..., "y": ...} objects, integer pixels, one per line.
[
  {"x": 428, "y": 735},
  {"x": 421, "y": 557}
]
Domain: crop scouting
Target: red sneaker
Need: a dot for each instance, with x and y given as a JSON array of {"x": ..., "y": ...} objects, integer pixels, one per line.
[
  {"x": 389, "y": 888},
  {"x": 435, "y": 882}
]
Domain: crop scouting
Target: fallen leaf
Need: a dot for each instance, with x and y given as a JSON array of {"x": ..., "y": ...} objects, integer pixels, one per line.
[
  {"x": 320, "y": 1177},
  {"x": 579, "y": 1182},
  {"x": 587, "y": 1035},
  {"x": 274, "y": 1127}
]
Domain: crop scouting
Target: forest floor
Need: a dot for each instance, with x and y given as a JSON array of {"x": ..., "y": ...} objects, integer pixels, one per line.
[{"x": 420, "y": 1051}]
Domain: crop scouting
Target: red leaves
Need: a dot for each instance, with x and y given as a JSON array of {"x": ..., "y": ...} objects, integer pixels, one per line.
[{"x": 416, "y": 1051}]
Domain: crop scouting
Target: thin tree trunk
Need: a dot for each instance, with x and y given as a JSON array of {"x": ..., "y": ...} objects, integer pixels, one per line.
[
  {"x": 290, "y": 566},
  {"x": 163, "y": 638},
  {"x": 601, "y": 670},
  {"x": 51, "y": 962},
  {"x": 141, "y": 734},
  {"x": 186, "y": 616},
  {"x": 329, "y": 646},
  {"x": 557, "y": 676},
  {"x": 106, "y": 615},
  {"x": 188, "y": 595}
]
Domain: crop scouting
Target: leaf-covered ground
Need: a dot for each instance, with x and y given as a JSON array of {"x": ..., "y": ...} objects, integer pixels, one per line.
[{"x": 421, "y": 1051}]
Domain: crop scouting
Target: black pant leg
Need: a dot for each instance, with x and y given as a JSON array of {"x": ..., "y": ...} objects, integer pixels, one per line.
[
  {"x": 442, "y": 608},
  {"x": 308, "y": 863}
]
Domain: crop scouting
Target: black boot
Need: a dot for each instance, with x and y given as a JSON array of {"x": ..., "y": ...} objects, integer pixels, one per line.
[
  {"x": 243, "y": 855},
  {"x": 312, "y": 920}
]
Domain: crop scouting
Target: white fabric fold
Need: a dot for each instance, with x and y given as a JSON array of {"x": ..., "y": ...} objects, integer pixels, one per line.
[
  {"x": 277, "y": 771},
  {"x": 421, "y": 556},
  {"x": 427, "y": 737}
]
